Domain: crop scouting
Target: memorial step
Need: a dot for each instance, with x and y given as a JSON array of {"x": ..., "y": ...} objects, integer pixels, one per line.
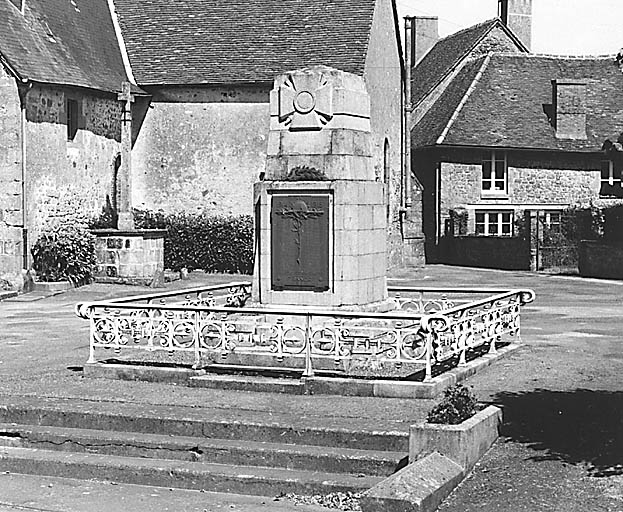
[
  {"x": 201, "y": 449},
  {"x": 252, "y": 480},
  {"x": 205, "y": 422}
]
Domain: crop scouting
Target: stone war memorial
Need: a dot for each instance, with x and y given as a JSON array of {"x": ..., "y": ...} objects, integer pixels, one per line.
[
  {"x": 319, "y": 211},
  {"x": 318, "y": 317}
]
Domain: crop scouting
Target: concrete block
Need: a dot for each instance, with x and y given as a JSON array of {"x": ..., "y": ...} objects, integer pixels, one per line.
[
  {"x": 352, "y": 103},
  {"x": 274, "y": 143},
  {"x": 342, "y": 142},
  {"x": 419, "y": 487},
  {"x": 464, "y": 443},
  {"x": 306, "y": 143}
]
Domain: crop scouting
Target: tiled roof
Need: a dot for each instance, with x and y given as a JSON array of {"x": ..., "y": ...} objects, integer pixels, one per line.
[
  {"x": 443, "y": 56},
  {"x": 432, "y": 125},
  {"x": 507, "y": 105},
  {"x": 70, "y": 42},
  {"x": 448, "y": 52},
  {"x": 228, "y": 41}
]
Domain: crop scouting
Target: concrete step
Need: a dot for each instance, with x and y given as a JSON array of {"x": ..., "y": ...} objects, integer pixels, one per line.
[
  {"x": 20, "y": 493},
  {"x": 234, "y": 424},
  {"x": 249, "y": 383},
  {"x": 253, "y": 480},
  {"x": 201, "y": 449}
]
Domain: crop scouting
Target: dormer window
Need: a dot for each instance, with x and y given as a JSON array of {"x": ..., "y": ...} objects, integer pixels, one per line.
[{"x": 494, "y": 174}]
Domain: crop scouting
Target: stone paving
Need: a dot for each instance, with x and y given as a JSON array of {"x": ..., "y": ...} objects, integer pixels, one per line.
[{"x": 562, "y": 444}]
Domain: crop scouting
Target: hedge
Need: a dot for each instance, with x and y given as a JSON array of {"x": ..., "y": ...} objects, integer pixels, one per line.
[{"x": 199, "y": 241}]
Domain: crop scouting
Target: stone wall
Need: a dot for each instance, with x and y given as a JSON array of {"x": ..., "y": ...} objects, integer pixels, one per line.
[
  {"x": 533, "y": 179},
  {"x": 384, "y": 85},
  {"x": 11, "y": 221},
  {"x": 201, "y": 148},
  {"x": 68, "y": 181}
]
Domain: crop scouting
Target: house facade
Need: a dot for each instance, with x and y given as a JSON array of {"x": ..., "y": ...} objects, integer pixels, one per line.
[{"x": 515, "y": 135}]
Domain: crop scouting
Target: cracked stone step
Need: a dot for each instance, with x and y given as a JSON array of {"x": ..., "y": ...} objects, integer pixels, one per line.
[
  {"x": 253, "y": 480},
  {"x": 194, "y": 449},
  {"x": 204, "y": 422}
]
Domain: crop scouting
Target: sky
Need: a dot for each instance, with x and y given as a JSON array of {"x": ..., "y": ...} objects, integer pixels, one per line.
[{"x": 562, "y": 27}]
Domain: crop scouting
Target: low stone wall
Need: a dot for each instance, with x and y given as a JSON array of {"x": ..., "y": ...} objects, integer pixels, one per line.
[
  {"x": 506, "y": 253},
  {"x": 597, "y": 259},
  {"x": 126, "y": 256}
]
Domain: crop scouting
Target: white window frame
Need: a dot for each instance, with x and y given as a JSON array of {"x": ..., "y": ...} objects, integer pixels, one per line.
[
  {"x": 494, "y": 189},
  {"x": 611, "y": 180},
  {"x": 493, "y": 226}
]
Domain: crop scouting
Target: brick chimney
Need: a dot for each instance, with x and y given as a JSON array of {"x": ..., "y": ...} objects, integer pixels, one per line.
[
  {"x": 425, "y": 35},
  {"x": 569, "y": 99},
  {"x": 517, "y": 15}
]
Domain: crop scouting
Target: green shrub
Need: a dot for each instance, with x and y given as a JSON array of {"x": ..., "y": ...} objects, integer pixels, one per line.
[
  {"x": 201, "y": 241},
  {"x": 209, "y": 243},
  {"x": 65, "y": 252},
  {"x": 457, "y": 405}
]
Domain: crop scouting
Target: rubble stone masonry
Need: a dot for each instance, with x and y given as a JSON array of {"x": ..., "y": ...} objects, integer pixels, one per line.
[{"x": 10, "y": 182}]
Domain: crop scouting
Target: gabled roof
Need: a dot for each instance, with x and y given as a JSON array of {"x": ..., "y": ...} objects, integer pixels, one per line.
[
  {"x": 229, "y": 41},
  {"x": 506, "y": 102},
  {"x": 448, "y": 52},
  {"x": 69, "y": 42}
]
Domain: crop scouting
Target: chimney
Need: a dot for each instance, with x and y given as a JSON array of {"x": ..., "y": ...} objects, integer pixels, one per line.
[
  {"x": 425, "y": 35},
  {"x": 569, "y": 99},
  {"x": 517, "y": 15}
]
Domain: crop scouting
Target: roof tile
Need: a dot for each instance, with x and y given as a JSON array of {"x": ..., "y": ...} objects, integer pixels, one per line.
[{"x": 229, "y": 41}]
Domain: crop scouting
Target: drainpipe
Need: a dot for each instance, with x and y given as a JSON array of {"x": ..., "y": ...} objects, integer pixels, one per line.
[
  {"x": 25, "y": 250},
  {"x": 407, "y": 109}
]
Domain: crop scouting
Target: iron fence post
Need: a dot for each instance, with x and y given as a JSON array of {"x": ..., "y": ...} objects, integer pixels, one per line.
[{"x": 309, "y": 369}]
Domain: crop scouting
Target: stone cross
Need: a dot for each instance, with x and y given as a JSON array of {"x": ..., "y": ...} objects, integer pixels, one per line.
[
  {"x": 299, "y": 213},
  {"x": 125, "y": 220}
]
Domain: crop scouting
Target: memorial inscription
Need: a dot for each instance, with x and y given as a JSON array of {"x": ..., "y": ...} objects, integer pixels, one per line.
[{"x": 300, "y": 242}]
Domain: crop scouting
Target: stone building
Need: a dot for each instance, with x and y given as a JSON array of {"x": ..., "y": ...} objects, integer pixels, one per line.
[
  {"x": 60, "y": 71},
  {"x": 502, "y": 132},
  {"x": 201, "y": 73},
  {"x": 210, "y": 66}
]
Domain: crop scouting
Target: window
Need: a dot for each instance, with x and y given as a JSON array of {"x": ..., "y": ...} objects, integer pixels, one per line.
[
  {"x": 494, "y": 174},
  {"x": 611, "y": 184},
  {"x": 71, "y": 108},
  {"x": 494, "y": 223},
  {"x": 553, "y": 221}
]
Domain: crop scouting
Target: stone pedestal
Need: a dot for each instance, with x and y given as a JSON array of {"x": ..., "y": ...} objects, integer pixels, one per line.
[
  {"x": 320, "y": 214},
  {"x": 132, "y": 257}
]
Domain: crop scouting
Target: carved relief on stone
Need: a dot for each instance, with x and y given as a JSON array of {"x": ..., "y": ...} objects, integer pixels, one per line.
[{"x": 306, "y": 102}]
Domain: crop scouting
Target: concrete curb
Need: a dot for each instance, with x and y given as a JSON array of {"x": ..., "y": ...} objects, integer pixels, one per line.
[
  {"x": 464, "y": 443},
  {"x": 55, "y": 286},
  {"x": 8, "y": 295},
  {"x": 306, "y": 385},
  {"x": 443, "y": 455}
]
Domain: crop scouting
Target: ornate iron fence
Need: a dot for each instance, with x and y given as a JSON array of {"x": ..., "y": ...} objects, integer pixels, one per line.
[{"x": 427, "y": 326}]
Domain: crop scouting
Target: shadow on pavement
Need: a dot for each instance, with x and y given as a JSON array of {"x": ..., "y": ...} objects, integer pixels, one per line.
[{"x": 576, "y": 427}]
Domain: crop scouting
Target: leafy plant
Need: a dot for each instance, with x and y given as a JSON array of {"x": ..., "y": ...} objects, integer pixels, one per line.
[
  {"x": 457, "y": 405},
  {"x": 65, "y": 252}
]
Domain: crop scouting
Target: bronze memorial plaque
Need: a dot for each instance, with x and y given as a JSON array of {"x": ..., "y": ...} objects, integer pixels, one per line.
[{"x": 300, "y": 242}]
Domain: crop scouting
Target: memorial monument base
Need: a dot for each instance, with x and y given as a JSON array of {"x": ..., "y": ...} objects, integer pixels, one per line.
[{"x": 333, "y": 235}]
